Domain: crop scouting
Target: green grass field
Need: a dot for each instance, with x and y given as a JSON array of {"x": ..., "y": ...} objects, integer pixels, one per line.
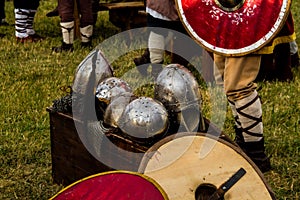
[{"x": 31, "y": 77}]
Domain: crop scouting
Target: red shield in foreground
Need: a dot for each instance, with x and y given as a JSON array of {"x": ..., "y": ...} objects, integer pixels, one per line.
[
  {"x": 114, "y": 185},
  {"x": 237, "y": 29}
]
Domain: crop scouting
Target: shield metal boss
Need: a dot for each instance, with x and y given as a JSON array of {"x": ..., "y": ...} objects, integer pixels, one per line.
[{"x": 233, "y": 27}]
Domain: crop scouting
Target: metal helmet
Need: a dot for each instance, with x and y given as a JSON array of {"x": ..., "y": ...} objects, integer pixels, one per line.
[
  {"x": 111, "y": 88},
  {"x": 116, "y": 108},
  {"x": 178, "y": 90},
  {"x": 144, "y": 118},
  {"x": 90, "y": 72}
]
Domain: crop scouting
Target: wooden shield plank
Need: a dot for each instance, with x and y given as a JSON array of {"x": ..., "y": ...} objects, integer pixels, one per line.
[{"x": 182, "y": 164}]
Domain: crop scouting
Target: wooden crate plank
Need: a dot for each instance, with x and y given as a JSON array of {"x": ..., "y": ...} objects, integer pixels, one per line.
[
  {"x": 71, "y": 160},
  {"x": 122, "y": 5}
]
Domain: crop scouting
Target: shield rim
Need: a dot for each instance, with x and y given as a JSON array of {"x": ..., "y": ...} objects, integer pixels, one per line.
[{"x": 280, "y": 21}]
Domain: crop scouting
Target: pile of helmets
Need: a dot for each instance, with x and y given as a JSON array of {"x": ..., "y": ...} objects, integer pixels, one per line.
[{"x": 175, "y": 107}]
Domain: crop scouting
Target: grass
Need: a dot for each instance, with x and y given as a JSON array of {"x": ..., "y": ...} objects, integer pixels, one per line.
[{"x": 32, "y": 77}]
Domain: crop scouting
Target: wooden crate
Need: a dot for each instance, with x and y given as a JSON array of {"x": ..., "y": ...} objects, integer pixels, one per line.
[
  {"x": 71, "y": 161},
  {"x": 126, "y": 15}
]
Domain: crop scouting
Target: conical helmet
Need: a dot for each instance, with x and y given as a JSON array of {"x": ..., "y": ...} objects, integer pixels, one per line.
[
  {"x": 177, "y": 89},
  {"x": 90, "y": 72}
]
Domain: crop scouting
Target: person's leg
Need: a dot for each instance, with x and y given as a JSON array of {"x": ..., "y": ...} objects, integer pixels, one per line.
[
  {"x": 30, "y": 21},
  {"x": 156, "y": 46},
  {"x": 21, "y": 16},
  {"x": 95, "y": 7},
  {"x": 2, "y": 10},
  {"x": 24, "y": 19},
  {"x": 86, "y": 22},
  {"x": 66, "y": 12},
  {"x": 294, "y": 54},
  {"x": 238, "y": 76},
  {"x": 219, "y": 67},
  {"x": 2, "y": 14},
  {"x": 156, "y": 43},
  {"x": 282, "y": 62}
]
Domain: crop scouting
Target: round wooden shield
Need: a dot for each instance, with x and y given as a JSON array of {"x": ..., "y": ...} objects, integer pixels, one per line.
[
  {"x": 112, "y": 185},
  {"x": 192, "y": 166},
  {"x": 232, "y": 27}
]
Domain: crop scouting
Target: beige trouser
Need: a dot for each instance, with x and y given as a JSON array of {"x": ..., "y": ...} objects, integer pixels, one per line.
[{"x": 236, "y": 74}]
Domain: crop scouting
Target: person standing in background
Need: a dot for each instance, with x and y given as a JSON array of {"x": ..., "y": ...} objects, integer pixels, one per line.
[
  {"x": 25, "y": 11},
  {"x": 66, "y": 13},
  {"x": 95, "y": 7},
  {"x": 2, "y": 14},
  {"x": 161, "y": 14}
]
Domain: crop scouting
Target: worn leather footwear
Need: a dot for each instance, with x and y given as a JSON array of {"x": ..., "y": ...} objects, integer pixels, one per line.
[
  {"x": 87, "y": 45},
  {"x": 30, "y": 38},
  {"x": 256, "y": 152},
  {"x": 63, "y": 47},
  {"x": 144, "y": 59}
]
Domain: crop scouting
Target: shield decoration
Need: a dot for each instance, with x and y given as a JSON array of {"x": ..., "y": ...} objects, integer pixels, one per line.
[
  {"x": 112, "y": 185},
  {"x": 233, "y": 27}
]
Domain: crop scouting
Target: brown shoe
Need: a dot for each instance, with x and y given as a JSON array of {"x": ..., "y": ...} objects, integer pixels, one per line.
[
  {"x": 143, "y": 59},
  {"x": 30, "y": 38},
  {"x": 63, "y": 48},
  {"x": 21, "y": 40},
  {"x": 36, "y": 38}
]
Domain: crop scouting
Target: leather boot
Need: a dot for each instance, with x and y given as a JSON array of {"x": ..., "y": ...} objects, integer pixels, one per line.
[
  {"x": 142, "y": 63},
  {"x": 256, "y": 152},
  {"x": 63, "y": 47},
  {"x": 144, "y": 59}
]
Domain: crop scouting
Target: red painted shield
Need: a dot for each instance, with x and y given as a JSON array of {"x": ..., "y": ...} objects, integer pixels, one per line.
[
  {"x": 233, "y": 31},
  {"x": 114, "y": 185}
]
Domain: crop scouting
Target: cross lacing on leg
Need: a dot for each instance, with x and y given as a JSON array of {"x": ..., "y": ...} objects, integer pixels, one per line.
[{"x": 256, "y": 120}]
